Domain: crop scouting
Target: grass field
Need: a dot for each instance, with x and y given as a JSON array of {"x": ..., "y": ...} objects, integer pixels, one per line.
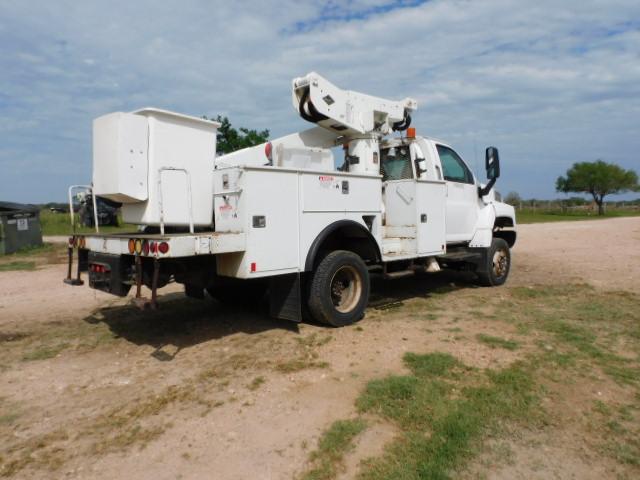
[
  {"x": 30, "y": 258},
  {"x": 60, "y": 224},
  {"x": 17, "y": 265},
  {"x": 540, "y": 215},
  {"x": 446, "y": 411}
]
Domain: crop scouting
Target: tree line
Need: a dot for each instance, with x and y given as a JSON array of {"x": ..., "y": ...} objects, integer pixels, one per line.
[{"x": 597, "y": 179}]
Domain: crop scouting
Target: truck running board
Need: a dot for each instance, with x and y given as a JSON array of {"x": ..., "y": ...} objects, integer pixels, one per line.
[
  {"x": 431, "y": 266},
  {"x": 399, "y": 274}
]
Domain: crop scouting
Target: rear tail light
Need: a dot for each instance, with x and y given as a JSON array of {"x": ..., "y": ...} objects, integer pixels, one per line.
[
  {"x": 146, "y": 247},
  {"x": 98, "y": 268},
  {"x": 163, "y": 247}
]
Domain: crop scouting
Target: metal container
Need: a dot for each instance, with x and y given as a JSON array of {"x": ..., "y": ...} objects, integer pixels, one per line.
[{"x": 19, "y": 227}]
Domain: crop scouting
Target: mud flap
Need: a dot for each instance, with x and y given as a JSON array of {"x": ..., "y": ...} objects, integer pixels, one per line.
[
  {"x": 285, "y": 297},
  {"x": 480, "y": 259}
]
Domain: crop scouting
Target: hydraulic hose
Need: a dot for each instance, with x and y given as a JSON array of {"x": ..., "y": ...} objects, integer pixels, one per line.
[
  {"x": 305, "y": 104},
  {"x": 402, "y": 124}
]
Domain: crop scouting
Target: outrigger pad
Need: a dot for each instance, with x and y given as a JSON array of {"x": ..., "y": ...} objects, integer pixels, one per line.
[
  {"x": 73, "y": 281},
  {"x": 145, "y": 304}
]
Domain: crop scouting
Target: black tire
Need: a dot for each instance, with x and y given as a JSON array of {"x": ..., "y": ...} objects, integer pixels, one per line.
[
  {"x": 193, "y": 291},
  {"x": 498, "y": 264},
  {"x": 244, "y": 292},
  {"x": 339, "y": 289}
]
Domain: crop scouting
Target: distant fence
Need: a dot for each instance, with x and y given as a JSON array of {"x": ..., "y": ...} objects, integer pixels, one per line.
[{"x": 565, "y": 208}]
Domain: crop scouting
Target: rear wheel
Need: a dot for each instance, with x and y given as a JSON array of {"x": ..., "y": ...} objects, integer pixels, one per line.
[
  {"x": 193, "y": 291},
  {"x": 496, "y": 270},
  {"x": 339, "y": 289}
]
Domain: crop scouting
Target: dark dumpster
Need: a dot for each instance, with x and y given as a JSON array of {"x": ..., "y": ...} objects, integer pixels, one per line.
[{"x": 19, "y": 227}]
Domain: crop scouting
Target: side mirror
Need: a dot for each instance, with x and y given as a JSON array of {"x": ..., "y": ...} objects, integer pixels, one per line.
[{"x": 492, "y": 163}]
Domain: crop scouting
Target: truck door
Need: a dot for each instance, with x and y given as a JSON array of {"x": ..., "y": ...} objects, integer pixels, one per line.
[
  {"x": 462, "y": 196},
  {"x": 430, "y": 201}
]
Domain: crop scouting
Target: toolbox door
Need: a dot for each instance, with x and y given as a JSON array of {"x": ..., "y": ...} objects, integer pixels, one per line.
[{"x": 431, "y": 214}]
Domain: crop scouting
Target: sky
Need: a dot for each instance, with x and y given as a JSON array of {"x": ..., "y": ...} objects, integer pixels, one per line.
[{"x": 548, "y": 82}]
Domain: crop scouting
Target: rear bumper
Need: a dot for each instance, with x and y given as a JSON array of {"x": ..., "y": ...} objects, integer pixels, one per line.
[{"x": 179, "y": 245}]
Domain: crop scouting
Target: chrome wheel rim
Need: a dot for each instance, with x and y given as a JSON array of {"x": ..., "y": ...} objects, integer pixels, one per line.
[{"x": 346, "y": 289}]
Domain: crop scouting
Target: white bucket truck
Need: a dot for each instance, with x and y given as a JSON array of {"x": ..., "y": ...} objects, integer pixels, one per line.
[{"x": 280, "y": 219}]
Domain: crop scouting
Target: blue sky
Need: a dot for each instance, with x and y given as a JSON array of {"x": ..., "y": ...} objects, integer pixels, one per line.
[{"x": 550, "y": 83}]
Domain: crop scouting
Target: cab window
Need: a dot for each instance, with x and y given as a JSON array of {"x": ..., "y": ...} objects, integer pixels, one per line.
[
  {"x": 395, "y": 163},
  {"x": 453, "y": 167}
]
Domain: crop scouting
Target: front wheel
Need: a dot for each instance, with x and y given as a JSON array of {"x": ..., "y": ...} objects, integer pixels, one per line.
[
  {"x": 339, "y": 289},
  {"x": 498, "y": 264}
]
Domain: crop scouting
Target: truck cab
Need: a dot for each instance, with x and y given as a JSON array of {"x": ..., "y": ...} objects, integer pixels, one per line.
[{"x": 468, "y": 211}]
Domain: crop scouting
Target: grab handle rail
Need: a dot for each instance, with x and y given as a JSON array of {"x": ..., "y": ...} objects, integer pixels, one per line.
[
  {"x": 95, "y": 206},
  {"x": 224, "y": 193},
  {"x": 186, "y": 172}
]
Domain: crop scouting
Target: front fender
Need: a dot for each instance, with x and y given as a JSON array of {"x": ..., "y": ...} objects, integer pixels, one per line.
[
  {"x": 504, "y": 210},
  {"x": 483, "y": 233}
]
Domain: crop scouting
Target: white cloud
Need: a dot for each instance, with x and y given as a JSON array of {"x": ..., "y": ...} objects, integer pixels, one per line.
[{"x": 550, "y": 83}]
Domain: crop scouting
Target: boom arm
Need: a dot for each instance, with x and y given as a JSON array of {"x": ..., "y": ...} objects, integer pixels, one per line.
[
  {"x": 347, "y": 112},
  {"x": 360, "y": 119}
]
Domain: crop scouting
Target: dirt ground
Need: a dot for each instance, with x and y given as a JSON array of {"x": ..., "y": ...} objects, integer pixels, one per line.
[{"x": 91, "y": 388}]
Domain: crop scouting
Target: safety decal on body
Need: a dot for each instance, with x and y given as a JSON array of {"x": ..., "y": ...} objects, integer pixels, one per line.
[{"x": 326, "y": 180}]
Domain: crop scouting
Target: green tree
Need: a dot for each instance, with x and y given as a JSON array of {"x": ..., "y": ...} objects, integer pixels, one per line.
[
  {"x": 230, "y": 139},
  {"x": 513, "y": 199},
  {"x": 598, "y": 179}
]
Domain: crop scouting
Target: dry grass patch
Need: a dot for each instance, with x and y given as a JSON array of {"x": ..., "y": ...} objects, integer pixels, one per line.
[
  {"x": 497, "y": 342},
  {"x": 296, "y": 365},
  {"x": 19, "y": 265},
  {"x": 30, "y": 258},
  {"x": 256, "y": 383}
]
